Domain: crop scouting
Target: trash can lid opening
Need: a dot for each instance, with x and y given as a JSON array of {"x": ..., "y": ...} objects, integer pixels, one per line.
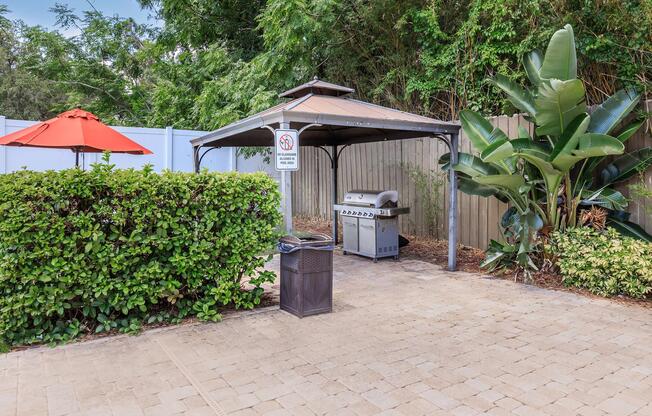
[{"x": 306, "y": 238}]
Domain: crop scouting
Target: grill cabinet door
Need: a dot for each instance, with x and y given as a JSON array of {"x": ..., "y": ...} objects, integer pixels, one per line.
[
  {"x": 350, "y": 230},
  {"x": 368, "y": 237},
  {"x": 387, "y": 236}
]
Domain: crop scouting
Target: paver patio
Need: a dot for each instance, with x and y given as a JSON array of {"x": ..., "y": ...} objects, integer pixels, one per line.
[{"x": 405, "y": 338}]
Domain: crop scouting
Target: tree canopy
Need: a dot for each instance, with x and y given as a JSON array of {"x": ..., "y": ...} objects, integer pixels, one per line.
[{"x": 215, "y": 61}]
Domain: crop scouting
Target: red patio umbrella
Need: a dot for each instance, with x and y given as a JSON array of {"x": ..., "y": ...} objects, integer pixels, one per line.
[{"x": 77, "y": 130}]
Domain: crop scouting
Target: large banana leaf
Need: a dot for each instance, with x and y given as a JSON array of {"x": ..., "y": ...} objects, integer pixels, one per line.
[
  {"x": 512, "y": 219},
  {"x": 497, "y": 151},
  {"x": 479, "y": 130},
  {"x": 604, "y": 197},
  {"x": 561, "y": 156},
  {"x": 469, "y": 186},
  {"x": 558, "y": 103},
  {"x": 629, "y": 229},
  {"x": 611, "y": 112},
  {"x": 530, "y": 224},
  {"x": 468, "y": 164},
  {"x": 532, "y": 63},
  {"x": 523, "y": 133},
  {"x": 540, "y": 158},
  {"x": 509, "y": 182},
  {"x": 625, "y": 134},
  {"x": 630, "y": 130},
  {"x": 519, "y": 97},
  {"x": 510, "y": 185},
  {"x": 531, "y": 147},
  {"x": 560, "y": 61},
  {"x": 509, "y": 218},
  {"x": 626, "y": 166},
  {"x": 525, "y": 226},
  {"x": 593, "y": 144},
  {"x": 482, "y": 134},
  {"x": 498, "y": 253}
]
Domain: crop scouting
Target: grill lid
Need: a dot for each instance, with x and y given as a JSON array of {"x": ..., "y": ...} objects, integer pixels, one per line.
[{"x": 374, "y": 199}]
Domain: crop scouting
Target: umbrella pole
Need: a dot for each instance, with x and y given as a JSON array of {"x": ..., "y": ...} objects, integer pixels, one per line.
[{"x": 77, "y": 157}]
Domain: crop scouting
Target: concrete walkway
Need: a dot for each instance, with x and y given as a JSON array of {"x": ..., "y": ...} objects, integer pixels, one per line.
[{"x": 406, "y": 338}]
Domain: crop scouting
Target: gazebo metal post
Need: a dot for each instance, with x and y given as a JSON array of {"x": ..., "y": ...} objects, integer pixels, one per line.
[
  {"x": 452, "y": 205},
  {"x": 334, "y": 157},
  {"x": 195, "y": 158},
  {"x": 286, "y": 188},
  {"x": 334, "y": 166}
]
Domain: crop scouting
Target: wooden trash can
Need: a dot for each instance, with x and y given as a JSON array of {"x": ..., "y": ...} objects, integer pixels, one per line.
[{"x": 306, "y": 274}]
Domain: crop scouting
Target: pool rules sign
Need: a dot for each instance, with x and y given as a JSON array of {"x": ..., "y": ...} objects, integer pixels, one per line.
[{"x": 286, "y": 143}]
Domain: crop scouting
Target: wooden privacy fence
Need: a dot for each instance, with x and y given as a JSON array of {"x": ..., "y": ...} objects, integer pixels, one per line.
[{"x": 411, "y": 168}]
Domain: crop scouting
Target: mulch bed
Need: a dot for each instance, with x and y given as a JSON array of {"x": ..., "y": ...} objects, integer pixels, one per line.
[
  {"x": 436, "y": 251},
  {"x": 420, "y": 248},
  {"x": 468, "y": 260}
]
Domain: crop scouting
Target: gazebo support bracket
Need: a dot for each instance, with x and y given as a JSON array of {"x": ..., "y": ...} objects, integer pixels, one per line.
[{"x": 197, "y": 159}]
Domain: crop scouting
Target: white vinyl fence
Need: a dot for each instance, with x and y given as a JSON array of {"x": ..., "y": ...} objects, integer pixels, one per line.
[{"x": 171, "y": 150}]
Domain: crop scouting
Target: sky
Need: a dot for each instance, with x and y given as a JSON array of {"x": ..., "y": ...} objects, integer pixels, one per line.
[{"x": 37, "y": 12}]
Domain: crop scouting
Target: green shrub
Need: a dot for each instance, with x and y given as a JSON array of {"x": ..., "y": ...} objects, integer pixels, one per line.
[
  {"x": 606, "y": 263},
  {"x": 111, "y": 249}
]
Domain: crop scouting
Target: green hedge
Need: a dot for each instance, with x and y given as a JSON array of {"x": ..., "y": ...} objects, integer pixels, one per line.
[
  {"x": 606, "y": 263},
  {"x": 113, "y": 249}
]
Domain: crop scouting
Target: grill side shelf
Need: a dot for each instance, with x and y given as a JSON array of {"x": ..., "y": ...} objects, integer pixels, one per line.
[{"x": 390, "y": 212}]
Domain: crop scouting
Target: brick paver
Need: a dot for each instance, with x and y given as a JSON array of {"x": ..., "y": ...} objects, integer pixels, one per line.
[{"x": 405, "y": 338}]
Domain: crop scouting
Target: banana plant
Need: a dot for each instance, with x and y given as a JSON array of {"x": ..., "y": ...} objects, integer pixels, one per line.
[{"x": 547, "y": 175}]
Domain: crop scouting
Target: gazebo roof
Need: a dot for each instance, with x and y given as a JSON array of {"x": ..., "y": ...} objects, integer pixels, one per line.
[
  {"x": 316, "y": 86},
  {"x": 342, "y": 120},
  {"x": 332, "y": 118}
]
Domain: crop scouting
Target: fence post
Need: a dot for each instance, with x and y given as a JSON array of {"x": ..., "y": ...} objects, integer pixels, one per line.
[
  {"x": 233, "y": 153},
  {"x": 3, "y": 149},
  {"x": 169, "y": 148}
]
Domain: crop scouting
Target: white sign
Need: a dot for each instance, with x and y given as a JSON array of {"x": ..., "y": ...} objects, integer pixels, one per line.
[{"x": 286, "y": 143}]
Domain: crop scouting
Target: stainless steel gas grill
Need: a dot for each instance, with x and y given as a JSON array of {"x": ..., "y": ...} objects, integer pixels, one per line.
[{"x": 370, "y": 223}]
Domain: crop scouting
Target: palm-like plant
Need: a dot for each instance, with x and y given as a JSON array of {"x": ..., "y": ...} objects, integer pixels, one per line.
[{"x": 546, "y": 176}]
